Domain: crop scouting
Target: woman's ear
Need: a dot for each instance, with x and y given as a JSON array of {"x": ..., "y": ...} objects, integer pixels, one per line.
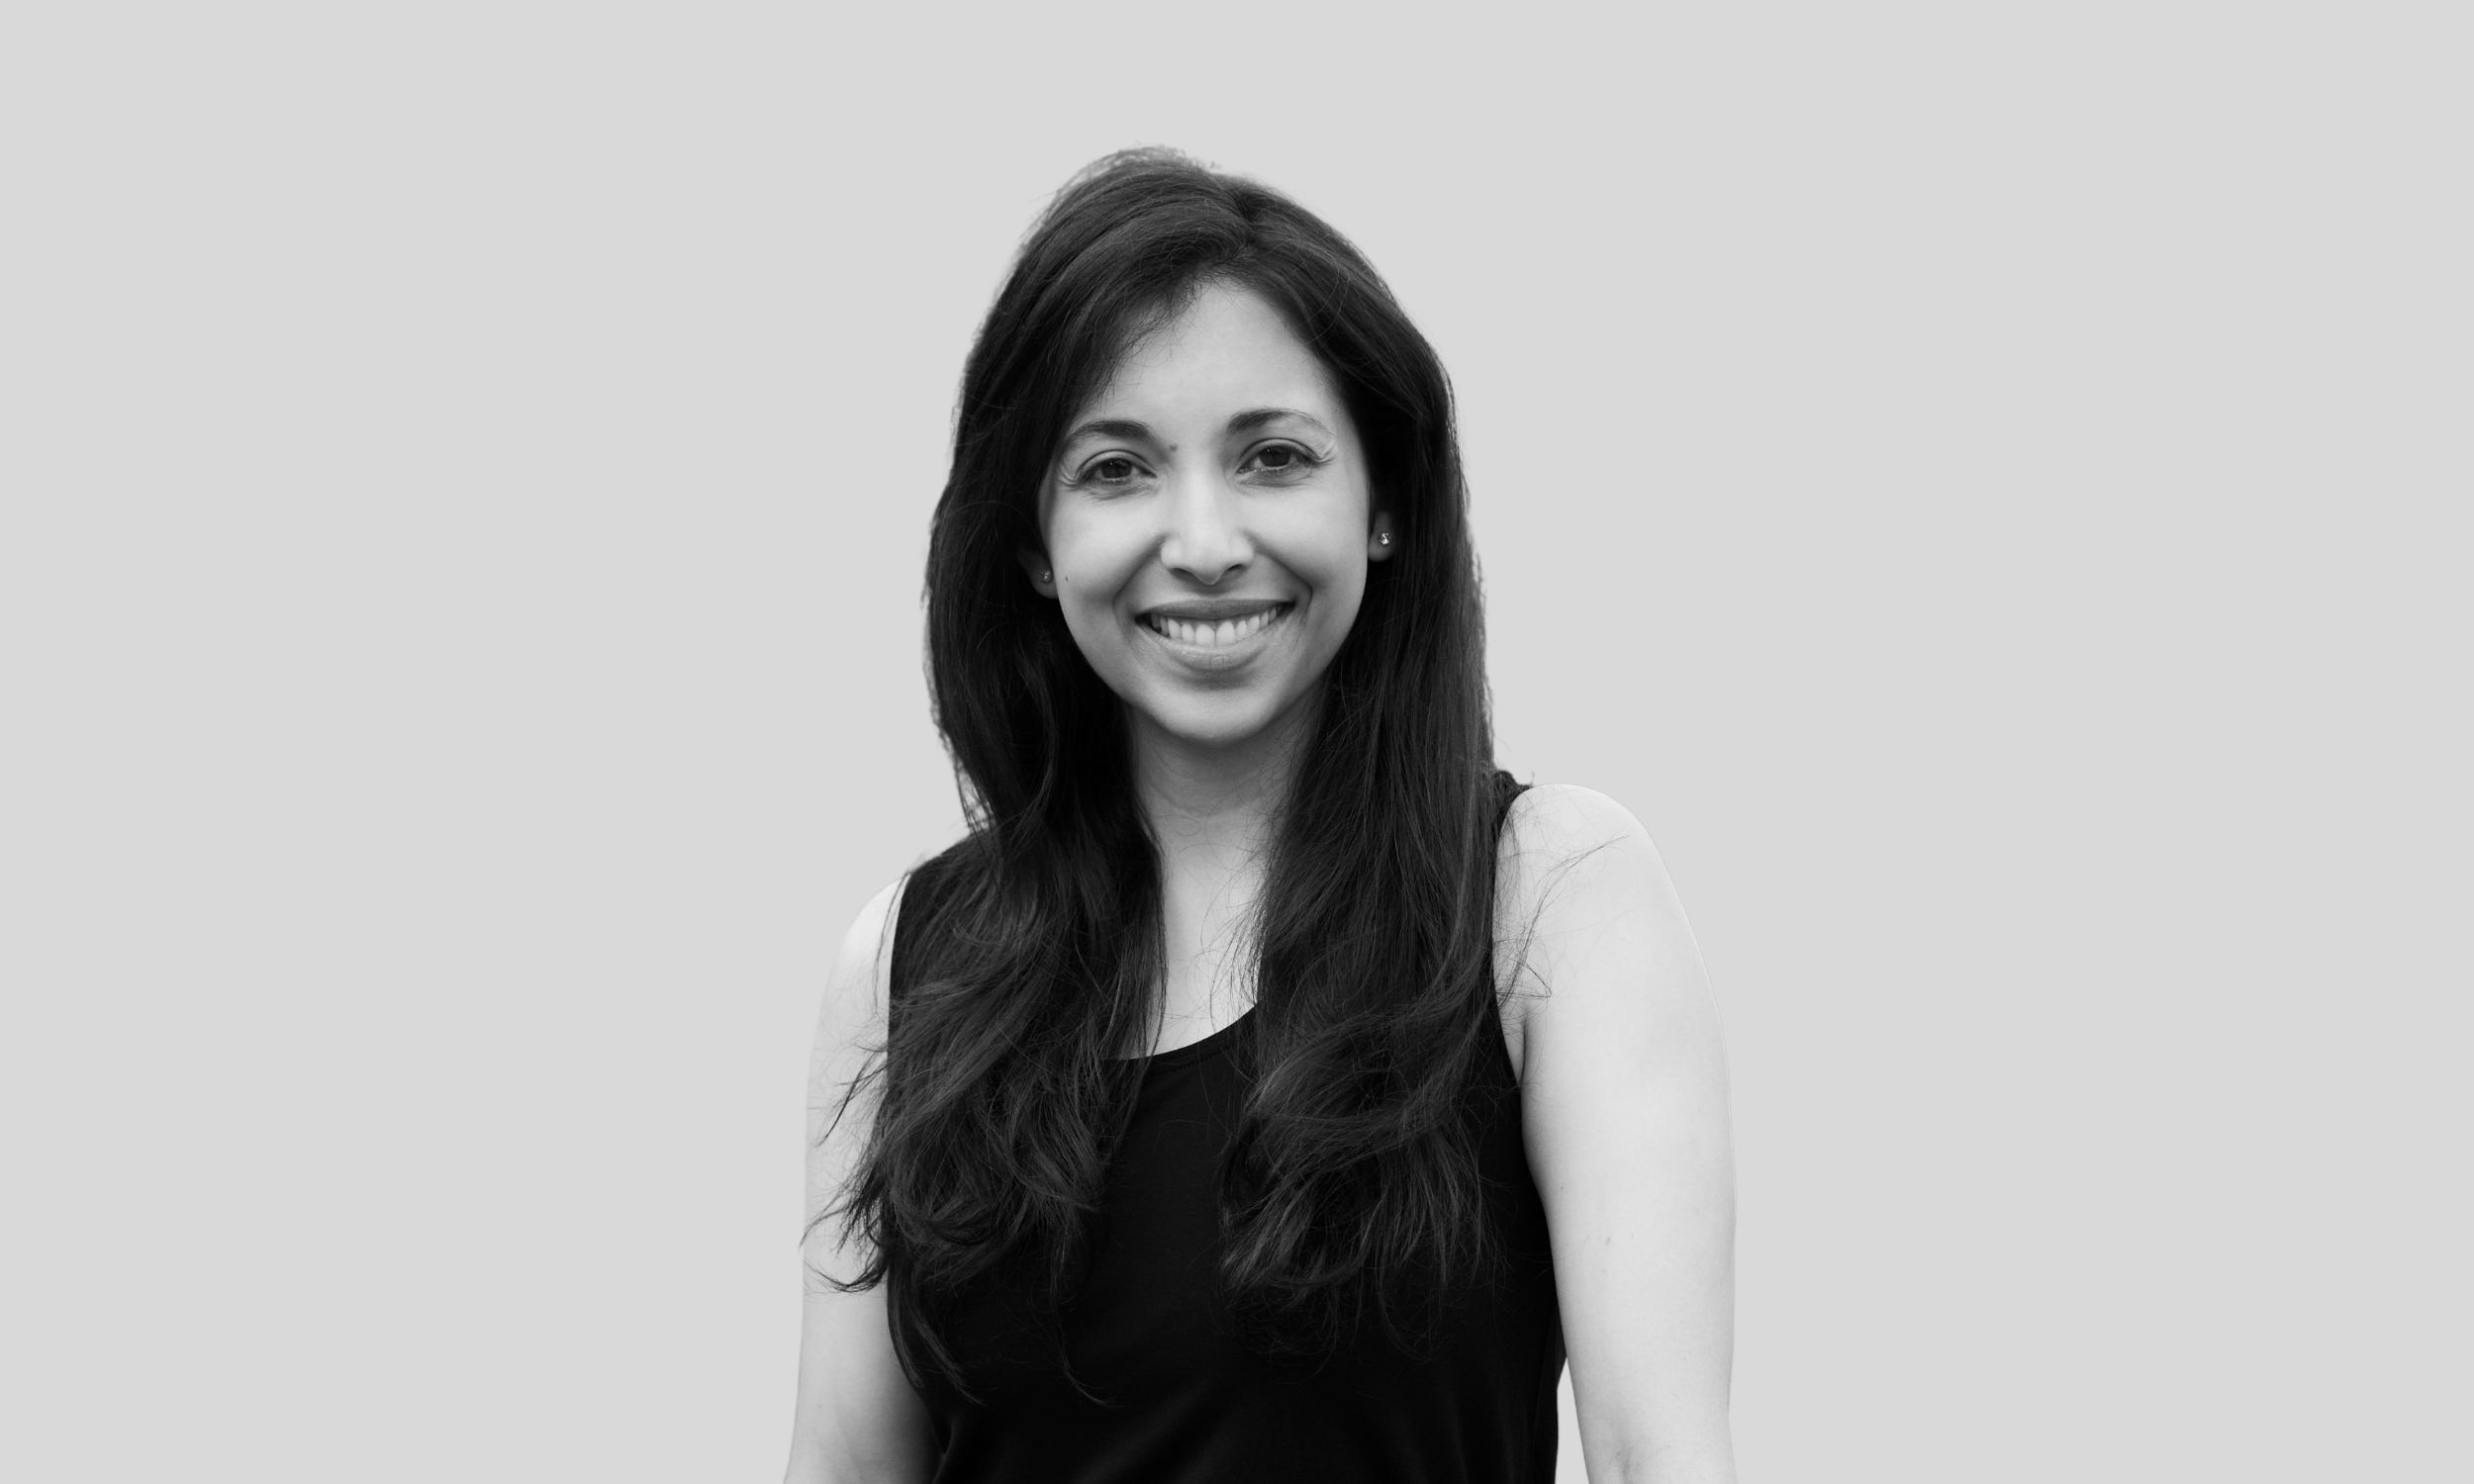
[
  {"x": 1380, "y": 541},
  {"x": 1036, "y": 568}
]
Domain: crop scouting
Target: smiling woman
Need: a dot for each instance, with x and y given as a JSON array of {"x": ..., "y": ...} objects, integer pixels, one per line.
[
  {"x": 1208, "y": 561},
  {"x": 1267, "y": 1086}
]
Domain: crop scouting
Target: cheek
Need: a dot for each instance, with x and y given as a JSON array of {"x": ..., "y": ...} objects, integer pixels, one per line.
[
  {"x": 1095, "y": 563},
  {"x": 1329, "y": 554},
  {"x": 1342, "y": 595},
  {"x": 1090, "y": 565}
]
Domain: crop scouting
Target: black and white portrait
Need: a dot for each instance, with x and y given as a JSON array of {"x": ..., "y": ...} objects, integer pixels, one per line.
[{"x": 1310, "y": 742}]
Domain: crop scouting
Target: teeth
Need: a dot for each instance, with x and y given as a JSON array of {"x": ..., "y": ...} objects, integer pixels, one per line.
[{"x": 1213, "y": 635}]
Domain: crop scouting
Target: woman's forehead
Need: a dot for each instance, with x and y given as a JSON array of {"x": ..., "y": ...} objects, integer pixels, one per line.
[{"x": 1225, "y": 352}]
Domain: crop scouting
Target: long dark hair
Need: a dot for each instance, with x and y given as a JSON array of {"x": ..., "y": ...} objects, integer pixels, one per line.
[{"x": 1029, "y": 957}]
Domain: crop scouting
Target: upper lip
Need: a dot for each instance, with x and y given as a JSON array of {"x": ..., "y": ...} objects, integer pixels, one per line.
[{"x": 1213, "y": 609}]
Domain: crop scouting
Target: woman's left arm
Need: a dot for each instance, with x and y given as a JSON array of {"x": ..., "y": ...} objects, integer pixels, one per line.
[{"x": 1624, "y": 1103}]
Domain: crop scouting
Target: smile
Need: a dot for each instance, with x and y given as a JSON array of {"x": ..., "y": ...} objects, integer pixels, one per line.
[{"x": 1207, "y": 631}]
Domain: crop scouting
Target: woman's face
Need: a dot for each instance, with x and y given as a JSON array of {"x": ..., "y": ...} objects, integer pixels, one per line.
[{"x": 1209, "y": 523}]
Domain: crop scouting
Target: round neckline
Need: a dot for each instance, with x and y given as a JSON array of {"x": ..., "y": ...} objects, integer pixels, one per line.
[{"x": 1195, "y": 1051}]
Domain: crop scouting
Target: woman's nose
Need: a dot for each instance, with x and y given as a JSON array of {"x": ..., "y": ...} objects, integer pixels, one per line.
[{"x": 1206, "y": 537}]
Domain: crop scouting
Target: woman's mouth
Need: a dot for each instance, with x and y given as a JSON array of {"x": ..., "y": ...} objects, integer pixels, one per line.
[{"x": 1205, "y": 632}]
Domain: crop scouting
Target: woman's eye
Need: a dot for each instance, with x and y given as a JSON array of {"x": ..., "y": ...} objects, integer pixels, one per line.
[
  {"x": 1115, "y": 469},
  {"x": 1281, "y": 458}
]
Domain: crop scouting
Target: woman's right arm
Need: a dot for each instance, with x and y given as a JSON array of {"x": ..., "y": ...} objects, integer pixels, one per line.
[{"x": 858, "y": 1420}]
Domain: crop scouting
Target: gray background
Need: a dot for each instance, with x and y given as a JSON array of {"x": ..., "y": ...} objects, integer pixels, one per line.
[{"x": 1986, "y": 485}]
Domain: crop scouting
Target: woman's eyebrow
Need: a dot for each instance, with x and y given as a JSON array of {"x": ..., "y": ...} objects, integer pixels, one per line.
[
  {"x": 1114, "y": 428},
  {"x": 1248, "y": 422}
]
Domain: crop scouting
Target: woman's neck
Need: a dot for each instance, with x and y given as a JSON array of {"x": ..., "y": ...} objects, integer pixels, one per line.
[
  {"x": 1216, "y": 802},
  {"x": 1213, "y": 812}
]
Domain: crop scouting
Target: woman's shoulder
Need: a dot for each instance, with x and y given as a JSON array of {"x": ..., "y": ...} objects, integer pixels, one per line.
[
  {"x": 893, "y": 916},
  {"x": 855, "y": 989},
  {"x": 1576, "y": 878},
  {"x": 864, "y": 968},
  {"x": 1560, "y": 837},
  {"x": 1551, "y": 814}
]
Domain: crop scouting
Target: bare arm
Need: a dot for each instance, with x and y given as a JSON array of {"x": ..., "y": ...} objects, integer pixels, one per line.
[
  {"x": 1624, "y": 1100},
  {"x": 858, "y": 1421}
]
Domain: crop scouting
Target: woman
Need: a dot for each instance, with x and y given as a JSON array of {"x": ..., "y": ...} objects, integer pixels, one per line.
[{"x": 1267, "y": 1087}]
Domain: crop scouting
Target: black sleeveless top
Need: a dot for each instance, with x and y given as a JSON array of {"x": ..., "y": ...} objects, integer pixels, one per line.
[{"x": 1175, "y": 1395}]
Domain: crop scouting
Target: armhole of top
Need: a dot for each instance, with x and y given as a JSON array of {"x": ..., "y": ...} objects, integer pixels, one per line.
[
  {"x": 1508, "y": 790},
  {"x": 913, "y": 907}
]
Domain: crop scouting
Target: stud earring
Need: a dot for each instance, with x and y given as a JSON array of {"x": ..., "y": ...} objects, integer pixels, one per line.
[
  {"x": 1043, "y": 573},
  {"x": 1382, "y": 538}
]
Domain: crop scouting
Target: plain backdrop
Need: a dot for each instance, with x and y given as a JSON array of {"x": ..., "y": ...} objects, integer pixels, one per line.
[{"x": 1987, "y": 485}]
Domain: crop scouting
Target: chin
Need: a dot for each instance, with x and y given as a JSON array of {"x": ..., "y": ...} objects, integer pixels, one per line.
[{"x": 1215, "y": 725}]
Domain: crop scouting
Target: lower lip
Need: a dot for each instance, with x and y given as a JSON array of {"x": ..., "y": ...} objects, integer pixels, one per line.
[{"x": 1219, "y": 657}]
